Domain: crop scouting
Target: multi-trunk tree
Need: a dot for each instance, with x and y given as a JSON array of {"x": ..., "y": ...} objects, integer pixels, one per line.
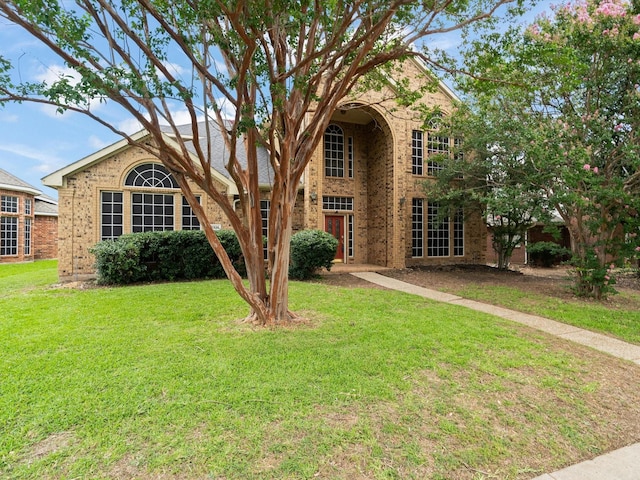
[
  {"x": 268, "y": 74},
  {"x": 569, "y": 86}
]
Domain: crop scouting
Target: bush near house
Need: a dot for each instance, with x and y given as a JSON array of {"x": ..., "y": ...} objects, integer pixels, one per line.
[
  {"x": 310, "y": 251},
  {"x": 156, "y": 256},
  {"x": 546, "y": 254}
]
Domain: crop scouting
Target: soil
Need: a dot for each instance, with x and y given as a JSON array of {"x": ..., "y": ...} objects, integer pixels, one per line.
[{"x": 553, "y": 282}]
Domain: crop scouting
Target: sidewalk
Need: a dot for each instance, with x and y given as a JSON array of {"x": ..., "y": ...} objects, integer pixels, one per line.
[{"x": 622, "y": 464}]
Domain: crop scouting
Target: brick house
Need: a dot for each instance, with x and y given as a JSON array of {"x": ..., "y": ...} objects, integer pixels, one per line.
[
  {"x": 28, "y": 222},
  {"x": 363, "y": 185}
]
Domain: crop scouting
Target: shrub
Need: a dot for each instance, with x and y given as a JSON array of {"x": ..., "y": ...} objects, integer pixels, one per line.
[
  {"x": 154, "y": 256},
  {"x": 310, "y": 251},
  {"x": 546, "y": 254}
]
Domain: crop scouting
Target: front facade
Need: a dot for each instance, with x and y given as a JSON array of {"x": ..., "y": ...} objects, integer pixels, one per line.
[
  {"x": 364, "y": 185},
  {"x": 27, "y": 231}
]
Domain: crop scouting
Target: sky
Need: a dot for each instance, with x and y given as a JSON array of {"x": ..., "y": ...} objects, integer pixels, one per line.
[{"x": 36, "y": 141}]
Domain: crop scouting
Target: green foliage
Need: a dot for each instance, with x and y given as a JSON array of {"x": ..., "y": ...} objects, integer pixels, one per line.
[
  {"x": 592, "y": 278},
  {"x": 310, "y": 251},
  {"x": 155, "y": 256},
  {"x": 545, "y": 254},
  {"x": 566, "y": 97}
]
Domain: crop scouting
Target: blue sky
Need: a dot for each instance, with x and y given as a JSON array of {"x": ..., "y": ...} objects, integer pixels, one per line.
[{"x": 35, "y": 140}]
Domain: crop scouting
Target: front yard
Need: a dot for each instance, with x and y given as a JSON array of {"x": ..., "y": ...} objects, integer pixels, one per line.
[{"x": 162, "y": 382}]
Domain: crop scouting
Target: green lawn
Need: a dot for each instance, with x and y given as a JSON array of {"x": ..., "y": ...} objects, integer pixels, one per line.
[{"x": 161, "y": 381}]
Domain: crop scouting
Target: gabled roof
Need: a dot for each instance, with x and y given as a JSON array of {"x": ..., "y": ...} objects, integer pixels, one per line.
[
  {"x": 215, "y": 142},
  {"x": 11, "y": 182}
]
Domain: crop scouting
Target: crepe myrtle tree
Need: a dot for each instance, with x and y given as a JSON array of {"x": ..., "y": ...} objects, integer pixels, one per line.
[
  {"x": 280, "y": 68},
  {"x": 488, "y": 172},
  {"x": 569, "y": 83}
]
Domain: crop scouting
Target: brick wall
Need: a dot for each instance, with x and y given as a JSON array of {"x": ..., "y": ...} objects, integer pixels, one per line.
[{"x": 45, "y": 234}]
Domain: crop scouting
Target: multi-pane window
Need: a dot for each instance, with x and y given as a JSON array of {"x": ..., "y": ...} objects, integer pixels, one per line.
[
  {"x": 436, "y": 145},
  {"x": 265, "y": 206},
  {"x": 8, "y": 236},
  {"x": 111, "y": 212},
  {"x": 417, "y": 228},
  {"x": 151, "y": 175},
  {"x": 8, "y": 204},
  {"x": 337, "y": 203},
  {"x": 27, "y": 236},
  {"x": 333, "y": 151},
  {"x": 458, "y": 233},
  {"x": 437, "y": 232},
  {"x": 151, "y": 212},
  {"x": 189, "y": 219},
  {"x": 417, "y": 152},
  {"x": 27, "y": 206}
]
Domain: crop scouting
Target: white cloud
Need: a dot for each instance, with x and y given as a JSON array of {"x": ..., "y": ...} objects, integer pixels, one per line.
[
  {"x": 47, "y": 162},
  {"x": 54, "y": 73},
  {"x": 129, "y": 126},
  {"x": 9, "y": 118},
  {"x": 97, "y": 143}
]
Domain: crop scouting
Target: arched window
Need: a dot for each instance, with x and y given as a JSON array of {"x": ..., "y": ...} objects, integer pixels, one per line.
[
  {"x": 436, "y": 145},
  {"x": 150, "y": 175},
  {"x": 334, "y": 151}
]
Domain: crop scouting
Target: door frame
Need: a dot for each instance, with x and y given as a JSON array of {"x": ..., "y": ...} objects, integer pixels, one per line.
[{"x": 340, "y": 251}]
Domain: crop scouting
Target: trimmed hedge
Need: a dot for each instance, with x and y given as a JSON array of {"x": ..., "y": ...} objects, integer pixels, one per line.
[
  {"x": 161, "y": 256},
  {"x": 310, "y": 251}
]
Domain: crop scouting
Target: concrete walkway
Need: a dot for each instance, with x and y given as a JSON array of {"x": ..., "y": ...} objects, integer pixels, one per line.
[{"x": 622, "y": 464}]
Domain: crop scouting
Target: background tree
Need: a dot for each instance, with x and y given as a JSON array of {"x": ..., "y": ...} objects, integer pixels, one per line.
[
  {"x": 489, "y": 173},
  {"x": 280, "y": 68},
  {"x": 569, "y": 85}
]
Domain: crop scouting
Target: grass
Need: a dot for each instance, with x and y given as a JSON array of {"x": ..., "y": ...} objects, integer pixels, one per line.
[
  {"x": 623, "y": 323},
  {"x": 161, "y": 381}
]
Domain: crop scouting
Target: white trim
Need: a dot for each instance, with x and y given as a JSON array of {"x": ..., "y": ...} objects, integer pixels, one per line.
[{"x": 19, "y": 188}]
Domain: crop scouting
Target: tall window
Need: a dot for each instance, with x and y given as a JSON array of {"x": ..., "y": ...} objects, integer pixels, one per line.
[
  {"x": 189, "y": 219},
  {"x": 417, "y": 152},
  {"x": 437, "y": 232},
  {"x": 417, "y": 228},
  {"x": 111, "y": 211},
  {"x": 350, "y": 239},
  {"x": 436, "y": 145},
  {"x": 265, "y": 206},
  {"x": 27, "y": 236},
  {"x": 333, "y": 151},
  {"x": 8, "y": 236},
  {"x": 27, "y": 206},
  {"x": 8, "y": 204},
  {"x": 350, "y": 156},
  {"x": 151, "y": 212},
  {"x": 458, "y": 234}
]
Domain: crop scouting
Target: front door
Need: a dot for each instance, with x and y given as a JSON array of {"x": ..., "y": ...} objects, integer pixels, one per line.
[{"x": 334, "y": 224}]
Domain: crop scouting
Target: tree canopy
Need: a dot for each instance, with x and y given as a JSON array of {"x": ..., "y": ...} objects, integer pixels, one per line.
[{"x": 565, "y": 95}]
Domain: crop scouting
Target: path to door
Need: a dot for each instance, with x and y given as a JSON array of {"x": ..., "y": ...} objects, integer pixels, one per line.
[{"x": 622, "y": 464}]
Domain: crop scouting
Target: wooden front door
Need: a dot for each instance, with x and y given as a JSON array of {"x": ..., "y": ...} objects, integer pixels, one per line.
[{"x": 334, "y": 224}]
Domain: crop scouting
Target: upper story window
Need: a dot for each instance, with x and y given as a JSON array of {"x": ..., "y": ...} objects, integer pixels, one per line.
[
  {"x": 436, "y": 145},
  {"x": 27, "y": 206},
  {"x": 151, "y": 175},
  {"x": 417, "y": 153},
  {"x": 334, "y": 151},
  {"x": 8, "y": 204}
]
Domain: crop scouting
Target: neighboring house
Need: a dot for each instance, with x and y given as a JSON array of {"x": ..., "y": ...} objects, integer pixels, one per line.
[
  {"x": 363, "y": 185},
  {"x": 28, "y": 221}
]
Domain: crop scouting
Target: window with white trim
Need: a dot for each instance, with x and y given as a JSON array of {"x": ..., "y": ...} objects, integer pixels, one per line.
[
  {"x": 436, "y": 145},
  {"x": 437, "y": 232},
  {"x": 458, "y": 233},
  {"x": 8, "y": 204},
  {"x": 27, "y": 236},
  {"x": 417, "y": 228},
  {"x": 8, "y": 236},
  {"x": 337, "y": 203},
  {"x": 350, "y": 156},
  {"x": 350, "y": 235},
  {"x": 417, "y": 152},
  {"x": 27, "y": 206},
  {"x": 151, "y": 175},
  {"x": 265, "y": 207},
  {"x": 334, "y": 151}
]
